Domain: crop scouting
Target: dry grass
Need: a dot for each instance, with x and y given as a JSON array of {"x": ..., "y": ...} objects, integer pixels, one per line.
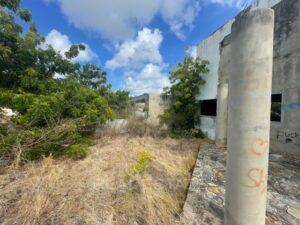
[{"x": 96, "y": 190}]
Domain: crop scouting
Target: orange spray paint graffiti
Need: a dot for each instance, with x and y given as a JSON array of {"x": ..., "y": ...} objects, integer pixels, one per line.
[
  {"x": 259, "y": 147},
  {"x": 258, "y": 179}
]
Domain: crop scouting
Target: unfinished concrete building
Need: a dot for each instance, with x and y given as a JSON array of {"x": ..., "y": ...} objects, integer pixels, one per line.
[
  {"x": 150, "y": 106},
  {"x": 285, "y": 109}
]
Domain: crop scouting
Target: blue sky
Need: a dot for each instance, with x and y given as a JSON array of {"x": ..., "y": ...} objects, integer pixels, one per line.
[{"x": 135, "y": 41}]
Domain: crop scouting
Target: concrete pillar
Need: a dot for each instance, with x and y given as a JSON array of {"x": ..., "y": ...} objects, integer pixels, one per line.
[
  {"x": 249, "y": 101},
  {"x": 221, "y": 122},
  {"x": 222, "y": 96}
]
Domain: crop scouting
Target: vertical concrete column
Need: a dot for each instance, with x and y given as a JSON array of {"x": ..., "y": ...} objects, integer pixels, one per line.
[
  {"x": 249, "y": 101},
  {"x": 222, "y": 96},
  {"x": 221, "y": 123}
]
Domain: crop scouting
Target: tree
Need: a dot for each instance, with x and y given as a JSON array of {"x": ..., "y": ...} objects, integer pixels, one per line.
[
  {"x": 186, "y": 81},
  {"x": 22, "y": 58},
  {"x": 54, "y": 116},
  {"x": 91, "y": 76}
]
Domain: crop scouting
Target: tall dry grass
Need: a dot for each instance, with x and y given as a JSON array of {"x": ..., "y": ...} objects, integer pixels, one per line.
[{"x": 97, "y": 190}]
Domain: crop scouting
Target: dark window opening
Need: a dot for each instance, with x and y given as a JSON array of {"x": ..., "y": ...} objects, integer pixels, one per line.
[
  {"x": 276, "y": 107},
  {"x": 208, "y": 107}
]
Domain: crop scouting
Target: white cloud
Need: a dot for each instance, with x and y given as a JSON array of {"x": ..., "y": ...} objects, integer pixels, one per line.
[
  {"x": 118, "y": 20},
  {"x": 233, "y": 3},
  {"x": 141, "y": 62},
  {"x": 151, "y": 79},
  {"x": 61, "y": 44},
  {"x": 143, "y": 49},
  {"x": 179, "y": 14}
]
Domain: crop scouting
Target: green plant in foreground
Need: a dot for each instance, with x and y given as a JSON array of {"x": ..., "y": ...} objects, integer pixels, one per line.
[{"x": 144, "y": 157}]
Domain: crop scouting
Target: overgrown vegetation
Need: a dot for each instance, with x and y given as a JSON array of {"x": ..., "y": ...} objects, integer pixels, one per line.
[
  {"x": 186, "y": 82},
  {"x": 96, "y": 191},
  {"x": 55, "y": 115}
]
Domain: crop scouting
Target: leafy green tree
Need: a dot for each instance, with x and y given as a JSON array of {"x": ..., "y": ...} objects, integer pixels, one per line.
[
  {"x": 91, "y": 76},
  {"x": 119, "y": 102},
  {"x": 22, "y": 58},
  {"x": 11, "y": 4},
  {"x": 186, "y": 81},
  {"x": 54, "y": 116},
  {"x": 74, "y": 51}
]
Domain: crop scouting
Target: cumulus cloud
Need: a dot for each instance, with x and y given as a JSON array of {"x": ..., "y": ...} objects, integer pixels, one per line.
[
  {"x": 151, "y": 79},
  {"x": 118, "y": 20},
  {"x": 179, "y": 14},
  {"x": 142, "y": 63},
  {"x": 143, "y": 49},
  {"x": 61, "y": 44}
]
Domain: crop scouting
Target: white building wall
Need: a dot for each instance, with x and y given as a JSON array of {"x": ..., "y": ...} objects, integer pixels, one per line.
[{"x": 208, "y": 49}]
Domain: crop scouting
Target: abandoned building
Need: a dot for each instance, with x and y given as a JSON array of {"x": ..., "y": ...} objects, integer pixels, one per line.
[
  {"x": 285, "y": 106},
  {"x": 150, "y": 106}
]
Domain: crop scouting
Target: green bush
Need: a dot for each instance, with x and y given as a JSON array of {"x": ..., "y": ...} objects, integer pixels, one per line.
[
  {"x": 51, "y": 124},
  {"x": 78, "y": 151},
  {"x": 3, "y": 129}
]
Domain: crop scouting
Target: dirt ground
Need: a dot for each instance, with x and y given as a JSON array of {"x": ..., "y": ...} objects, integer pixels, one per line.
[{"x": 98, "y": 189}]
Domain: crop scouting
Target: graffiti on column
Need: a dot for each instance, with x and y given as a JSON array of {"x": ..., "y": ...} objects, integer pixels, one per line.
[
  {"x": 256, "y": 176},
  {"x": 260, "y": 147},
  {"x": 257, "y": 179}
]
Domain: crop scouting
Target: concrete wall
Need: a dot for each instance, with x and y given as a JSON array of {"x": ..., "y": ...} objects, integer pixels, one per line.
[
  {"x": 156, "y": 107},
  {"x": 140, "y": 105},
  {"x": 285, "y": 135},
  {"x": 150, "y": 106},
  {"x": 207, "y": 125}
]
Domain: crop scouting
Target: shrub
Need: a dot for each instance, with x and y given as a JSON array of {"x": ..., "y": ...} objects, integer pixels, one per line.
[
  {"x": 35, "y": 143},
  {"x": 144, "y": 157},
  {"x": 78, "y": 151},
  {"x": 50, "y": 124}
]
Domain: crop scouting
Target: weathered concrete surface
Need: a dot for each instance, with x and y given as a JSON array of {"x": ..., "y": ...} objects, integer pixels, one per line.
[
  {"x": 207, "y": 126},
  {"x": 222, "y": 97},
  {"x": 150, "y": 106},
  {"x": 285, "y": 135},
  {"x": 206, "y": 196},
  {"x": 156, "y": 106},
  {"x": 265, "y": 3},
  {"x": 222, "y": 109},
  {"x": 249, "y": 104}
]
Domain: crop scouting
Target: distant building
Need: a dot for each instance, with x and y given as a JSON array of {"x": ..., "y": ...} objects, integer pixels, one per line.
[{"x": 150, "y": 106}]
